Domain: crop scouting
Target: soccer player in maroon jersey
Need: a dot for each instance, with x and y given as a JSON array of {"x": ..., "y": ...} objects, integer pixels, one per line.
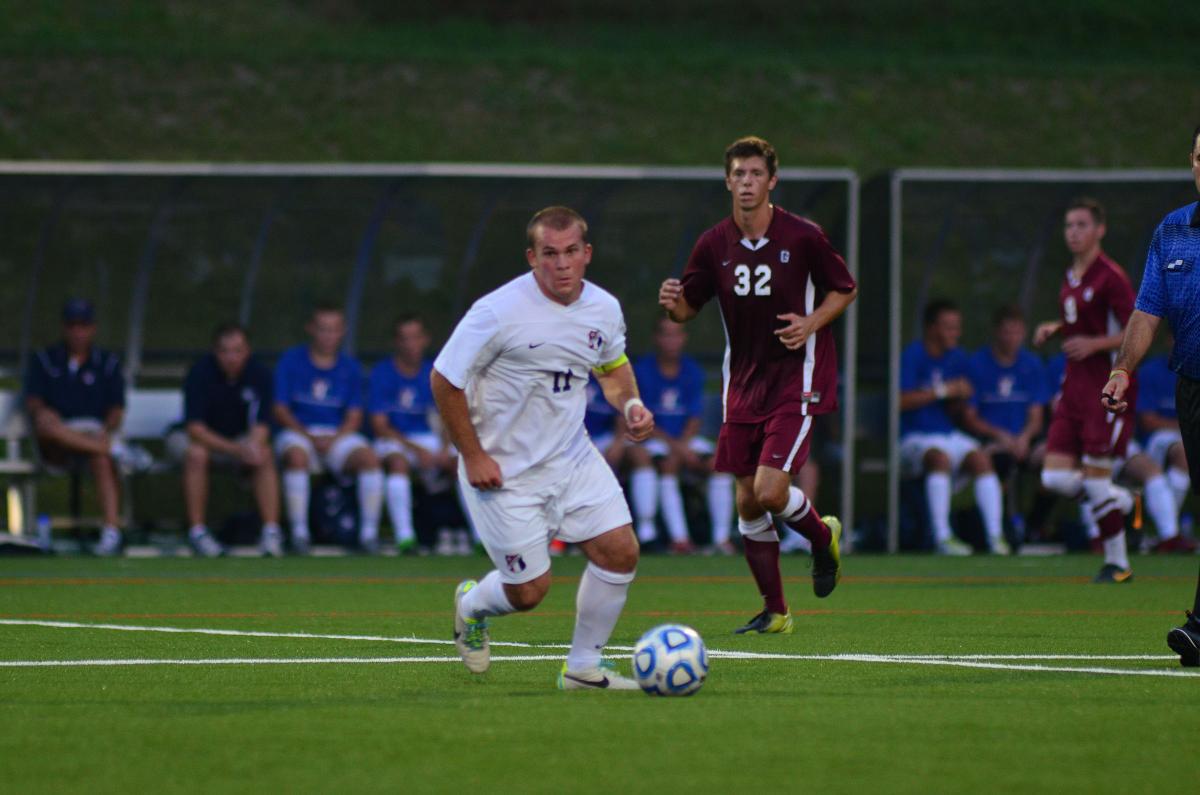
[
  {"x": 1096, "y": 301},
  {"x": 779, "y": 284}
]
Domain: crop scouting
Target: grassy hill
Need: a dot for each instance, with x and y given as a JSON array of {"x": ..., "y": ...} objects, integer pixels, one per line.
[{"x": 864, "y": 84}]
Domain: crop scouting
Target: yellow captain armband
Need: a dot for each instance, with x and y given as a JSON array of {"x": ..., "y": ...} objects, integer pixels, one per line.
[{"x": 605, "y": 369}]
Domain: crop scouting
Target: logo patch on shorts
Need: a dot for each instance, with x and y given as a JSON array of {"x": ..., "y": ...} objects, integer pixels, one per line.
[{"x": 515, "y": 563}]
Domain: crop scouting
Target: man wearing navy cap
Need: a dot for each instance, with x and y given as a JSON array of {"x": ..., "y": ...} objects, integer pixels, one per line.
[{"x": 75, "y": 395}]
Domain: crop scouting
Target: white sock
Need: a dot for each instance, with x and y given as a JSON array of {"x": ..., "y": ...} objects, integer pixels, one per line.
[
  {"x": 1089, "y": 521},
  {"x": 109, "y": 530},
  {"x": 937, "y": 494},
  {"x": 399, "y": 503},
  {"x": 1104, "y": 497},
  {"x": 271, "y": 529},
  {"x": 486, "y": 599},
  {"x": 672, "y": 507},
  {"x": 1114, "y": 550},
  {"x": 797, "y": 506},
  {"x": 1160, "y": 503},
  {"x": 598, "y": 605},
  {"x": 720, "y": 505},
  {"x": 989, "y": 498},
  {"x": 370, "y": 503},
  {"x": 760, "y": 529},
  {"x": 295, "y": 497},
  {"x": 1180, "y": 483},
  {"x": 643, "y": 485},
  {"x": 197, "y": 530}
]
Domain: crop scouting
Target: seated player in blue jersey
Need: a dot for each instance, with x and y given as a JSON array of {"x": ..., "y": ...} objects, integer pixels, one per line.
[
  {"x": 600, "y": 421},
  {"x": 75, "y": 396},
  {"x": 318, "y": 404},
  {"x": 226, "y": 406},
  {"x": 399, "y": 404},
  {"x": 672, "y": 386},
  {"x": 934, "y": 390},
  {"x": 1007, "y": 407}
]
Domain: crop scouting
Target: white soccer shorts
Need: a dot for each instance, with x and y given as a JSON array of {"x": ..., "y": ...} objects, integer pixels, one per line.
[
  {"x": 389, "y": 447},
  {"x": 698, "y": 444},
  {"x": 333, "y": 461},
  {"x": 516, "y": 524},
  {"x": 1159, "y": 444},
  {"x": 913, "y": 447}
]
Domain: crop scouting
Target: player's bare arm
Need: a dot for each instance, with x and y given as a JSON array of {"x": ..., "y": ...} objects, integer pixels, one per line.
[
  {"x": 482, "y": 470},
  {"x": 1045, "y": 331},
  {"x": 1083, "y": 346},
  {"x": 954, "y": 389},
  {"x": 1138, "y": 336},
  {"x": 670, "y": 298},
  {"x": 200, "y": 433},
  {"x": 800, "y": 327},
  {"x": 621, "y": 392}
]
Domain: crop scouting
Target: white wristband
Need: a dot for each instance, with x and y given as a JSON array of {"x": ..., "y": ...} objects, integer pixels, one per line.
[{"x": 630, "y": 404}]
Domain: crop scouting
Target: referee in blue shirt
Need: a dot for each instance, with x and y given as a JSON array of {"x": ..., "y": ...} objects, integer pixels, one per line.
[{"x": 1171, "y": 289}]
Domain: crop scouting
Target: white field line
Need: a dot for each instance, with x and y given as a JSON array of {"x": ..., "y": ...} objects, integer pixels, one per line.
[{"x": 959, "y": 661}]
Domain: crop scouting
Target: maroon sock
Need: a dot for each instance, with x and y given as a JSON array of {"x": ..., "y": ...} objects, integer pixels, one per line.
[
  {"x": 763, "y": 557},
  {"x": 1110, "y": 524},
  {"x": 811, "y": 527}
]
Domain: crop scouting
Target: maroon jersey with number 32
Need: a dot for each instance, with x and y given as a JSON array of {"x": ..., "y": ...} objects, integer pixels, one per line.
[{"x": 791, "y": 269}]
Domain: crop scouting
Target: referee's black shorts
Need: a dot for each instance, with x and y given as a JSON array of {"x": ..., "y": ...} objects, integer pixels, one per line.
[{"x": 1187, "y": 404}]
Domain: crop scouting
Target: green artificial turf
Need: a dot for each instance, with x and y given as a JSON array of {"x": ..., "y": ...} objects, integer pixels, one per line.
[{"x": 769, "y": 724}]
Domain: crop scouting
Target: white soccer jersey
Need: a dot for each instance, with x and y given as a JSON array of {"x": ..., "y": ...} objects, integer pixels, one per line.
[{"x": 523, "y": 361}]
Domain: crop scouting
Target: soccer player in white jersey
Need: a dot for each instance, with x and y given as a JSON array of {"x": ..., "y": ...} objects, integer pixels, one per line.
[{"x": 511, "y": 387}]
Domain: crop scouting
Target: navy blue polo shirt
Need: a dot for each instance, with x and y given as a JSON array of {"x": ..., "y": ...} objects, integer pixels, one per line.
[
  {"x": 228, "y": 408},
  {"x": 1171, "y": 285},
  {"x": 90, "y": 389}
]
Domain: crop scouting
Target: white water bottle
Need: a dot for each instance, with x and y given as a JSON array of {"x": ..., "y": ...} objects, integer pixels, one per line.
[{"x": 43, "y": 530}]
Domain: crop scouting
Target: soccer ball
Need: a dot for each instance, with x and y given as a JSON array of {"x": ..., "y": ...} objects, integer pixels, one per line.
[{"x": 670, "y": 660}]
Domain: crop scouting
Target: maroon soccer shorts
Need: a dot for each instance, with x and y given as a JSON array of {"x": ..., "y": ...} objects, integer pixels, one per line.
[
  {"x": 780, "y": 442},
  {"x": 1085, "y": 429}
]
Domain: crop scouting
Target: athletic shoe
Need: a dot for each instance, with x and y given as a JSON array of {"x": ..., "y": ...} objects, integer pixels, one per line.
[
  {"x": 271, "y": 543},
  {"x": 603, "y": 677},
  {"x": 470, "y": 634},
  {"x": 368, "y": 545},
  {"x": 725, "y": 549},
  {"x": 1178, "y": 544},
  {"x": 557, "y": 548},
  {"x": 1185, "y": 641},
  {"x": 406, "y": 547},
  {"x": 1000, "y": 547},
  {"x": 204, "y": 545},
  {"x": 767, "y": 623},
  {"x": 954, "y": 548},
  {"x": 1112, "y": 573},
  {"x": 684, "y": 547},
  {"x": 827, "y": 563},
  {"x": 110, "y": 545}
]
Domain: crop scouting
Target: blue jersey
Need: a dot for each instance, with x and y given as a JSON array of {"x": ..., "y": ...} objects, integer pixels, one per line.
[
  {"x": 674, "y": 401},
  {"x": 1003, "y": 394},
  {"x": 1056, "y": 372},
  {"x": 919, "y": 370},
  {"x": 317, "y": 396},
  {"x": 406, "y": 400},
  {"x": 1156, "y": 388},
  {"x": 600, "y": 418},
  {"x": 1171, "y": 285}
]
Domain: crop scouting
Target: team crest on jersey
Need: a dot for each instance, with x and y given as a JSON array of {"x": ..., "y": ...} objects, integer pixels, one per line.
[
  {"x": 785, "y": 255},
  {"x": 595, "y": 340},
  {"x": 1088, "y": 293},
  {"x": 1005, "y": 386},
  {"x": 320, "y": 388},
  {"x": 408, "y": 397}
]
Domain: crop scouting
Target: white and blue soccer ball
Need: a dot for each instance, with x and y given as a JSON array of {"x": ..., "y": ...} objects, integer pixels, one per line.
[{"x": 670, "y": 660}]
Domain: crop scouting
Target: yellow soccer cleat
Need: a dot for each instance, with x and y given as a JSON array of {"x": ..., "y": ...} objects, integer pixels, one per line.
[
  {"x": 767, "y": 623},
  {"x": 827, "y": 563}
]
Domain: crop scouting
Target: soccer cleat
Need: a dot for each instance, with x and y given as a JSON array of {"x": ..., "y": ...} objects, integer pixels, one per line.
[
  {"x": 301, "y": 543},
  {"x": 603, "y": 677},
  {"x": 470, "y": 634},
  {"x": 827, "y": 563},
  {"x": 271, "y": 543},
  {"x": 1185, "y": 641},
  {"x": 684, "y": 547},
  {"x": 110, "y": 545},
  {"x": 407, "y": 546},
  {"x": 204, "y": 545},
  {"x": 954, "y": 548},
  {"x": 368, "y": 545},
  {"x": 766, "y": 624},
  {"x": 1000, "y": 547},
  {"x": 1112, "y": 573}
]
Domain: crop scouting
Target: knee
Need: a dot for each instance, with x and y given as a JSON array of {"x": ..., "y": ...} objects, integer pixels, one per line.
[
  {"x": 396, "y": 465},
  {"x": 771, "y": 496},
  {"x": 527, "y": 595},
  {"x": 1176, "y": 457},
  {"x": 196, "y": 457},
  {"x": 363, "y": 460},
  {"x": 978, "y": 463},
  {"x": 937, "y": 461},
  {"x": 1066, "y": 482},
  {"x": 638, "y": 457}
]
